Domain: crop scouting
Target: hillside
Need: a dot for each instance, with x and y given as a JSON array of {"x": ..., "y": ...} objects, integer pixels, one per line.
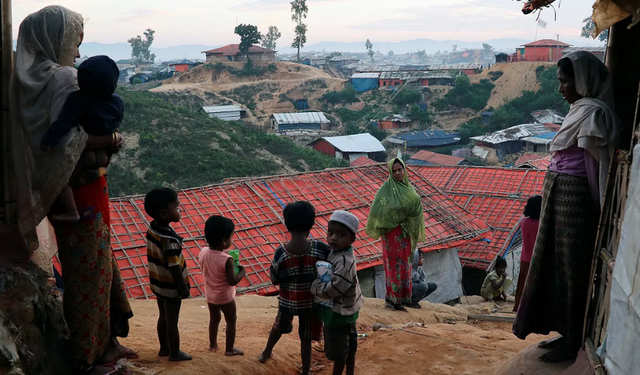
[
  {"x": 169, "y": 145},
  {"x": 274, "y": 90}
]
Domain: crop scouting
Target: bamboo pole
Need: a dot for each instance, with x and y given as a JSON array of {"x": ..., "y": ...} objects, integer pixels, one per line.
[{"x": 6, "y": 47}]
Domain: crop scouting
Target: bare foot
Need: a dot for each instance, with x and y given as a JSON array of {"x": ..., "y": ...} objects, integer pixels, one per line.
[
  {"x": 552, "y": 343},
  {"x": 181, "y": 356},
  {"x": 264, "y": 357},
  {"x": 234, "y": 352},
  {"x": 560, "y": 354},
  {"x": 164, "y": 353},
  {"x": 213, "y": 348},
  {"x": 400, "y": 308}
]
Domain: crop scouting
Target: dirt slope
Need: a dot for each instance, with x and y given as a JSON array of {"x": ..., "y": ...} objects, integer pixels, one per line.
[
  {"x": 517, "y": 77},
  {"x": 456, "y": 346},
  {"x": 267, "y": 92}
]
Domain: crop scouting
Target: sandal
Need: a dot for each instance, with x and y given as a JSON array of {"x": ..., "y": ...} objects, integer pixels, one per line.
[{"x": 126, "y": 354}]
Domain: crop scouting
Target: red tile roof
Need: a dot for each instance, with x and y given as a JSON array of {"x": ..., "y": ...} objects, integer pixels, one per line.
[
  {"x": 437, "y": 159},
  {"x": 547, "y": 43},
  {"x": 255, "y": 205},
  {"x": 495, "y": 195},
  {"x": 363, "y": 160},
  {"x": 234, "y": 49},
  {"x": 534, "y": 161}
]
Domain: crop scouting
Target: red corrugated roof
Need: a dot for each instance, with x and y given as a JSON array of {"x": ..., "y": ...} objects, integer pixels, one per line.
[
  {"x": 437, "y": 159},
  {"x": 546, "y": 43},
  {"x": 361, "y": 161},
  {"x": 534, "y": 161},
  {"x": 234, "y": 49},
  {"x": 255, "y": 205},
  {"x": 495, "y": 195}
]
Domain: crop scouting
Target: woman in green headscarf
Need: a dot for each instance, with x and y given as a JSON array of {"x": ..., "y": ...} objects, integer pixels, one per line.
[{"x": 396, "y": 216}]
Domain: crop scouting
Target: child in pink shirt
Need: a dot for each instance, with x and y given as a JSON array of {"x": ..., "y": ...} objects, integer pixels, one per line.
[{"x": 220, "y": 279}]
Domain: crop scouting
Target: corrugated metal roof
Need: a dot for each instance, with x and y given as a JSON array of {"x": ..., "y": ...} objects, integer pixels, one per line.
[
  {"x": 364, "y": 142},
  {"x": 547, "y": 116},
  {"x": 513, "y": 133},
  {"x": 365, "y": 75},
  {"x": 537, "y": 140},
  {"x": 415, "y": 75},
  {"x": 300, "y": 118},
  {"x": 221, "y": 108},
  {"x": 587, "y": 49},
  {"x": 425, "y": 138}
]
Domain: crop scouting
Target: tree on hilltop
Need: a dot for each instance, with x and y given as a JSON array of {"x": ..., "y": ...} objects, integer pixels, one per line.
[
  {"x": 249, "y": 35},
  {"x": 141, "y": 48},
  {"x": 269, "y": 39}
]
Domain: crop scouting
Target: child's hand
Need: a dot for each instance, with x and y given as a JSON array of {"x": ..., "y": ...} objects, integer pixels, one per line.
[
  {"x": 45, "y": 148},
  {"x": 242, "y": 272}
]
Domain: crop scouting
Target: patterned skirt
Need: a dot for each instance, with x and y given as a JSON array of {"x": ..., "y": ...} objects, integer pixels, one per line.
[
  {"x": 95, "y": 303},
  {"x": 555, "y": 294},
  {"x": 396, "y": 256}
]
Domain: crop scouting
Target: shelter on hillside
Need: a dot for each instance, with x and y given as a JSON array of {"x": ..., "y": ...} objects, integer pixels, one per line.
[
  {"x": 231, "y": 52},
  {"x": 142, "y": 77},
  {"x": 506, "y": 141},
  {"x": 502, "y": 58},
  {"x": 255, "y": 204},
  {"x": 486, "y": 117},
  {"x": 362, "y": 82},
  {"x": 299, "y": 121},
  {"x": 538, "y": 143},
  {"x": 425, "y": 157},
  {"x": 544, "y": 50},
  {"x": 351, "y": 147},
  {"x": 394, "y": 122},
  {"x": 535, "y": 161},
  {"x": 183, "y": 66},
  {"x": 424, "y": 139},
  {"x": 548, "y": 116},
  {"x": 314, "y": 60},
  {"x": 225, "y": 112}
]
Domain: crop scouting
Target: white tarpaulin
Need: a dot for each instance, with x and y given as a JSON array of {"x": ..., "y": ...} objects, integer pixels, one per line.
[{"x": 623, "y": 330}]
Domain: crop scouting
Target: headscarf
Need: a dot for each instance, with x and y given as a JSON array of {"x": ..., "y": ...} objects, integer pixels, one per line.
[
  {"x": 591, "y": 123},
  {"x": 43, "y": 79},
  {"x": 397, "y": 203}
]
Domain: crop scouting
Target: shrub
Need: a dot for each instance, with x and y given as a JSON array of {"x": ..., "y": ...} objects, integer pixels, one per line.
[
  {"x": 347, "y": 96},
  {"x": 495, "y": 74},
  {"x": 466, "y": 95},
  {"x": 407, "y": 96}
]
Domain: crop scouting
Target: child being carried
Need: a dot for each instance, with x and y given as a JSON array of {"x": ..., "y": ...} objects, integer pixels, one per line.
[{"x": 99, "y": 111}]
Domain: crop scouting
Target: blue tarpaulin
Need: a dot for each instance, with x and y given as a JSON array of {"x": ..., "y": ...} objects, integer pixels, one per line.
[{"x": 362, "y": 82}]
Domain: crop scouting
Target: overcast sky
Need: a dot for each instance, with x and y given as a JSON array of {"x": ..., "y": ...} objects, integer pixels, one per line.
[{"x": 211, "y": 22}]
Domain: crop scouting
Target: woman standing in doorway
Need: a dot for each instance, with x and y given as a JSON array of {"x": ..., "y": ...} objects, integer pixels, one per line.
[
  {"x": 397, "y": 216},
  {"x": 555, "y": 295},
  {"x": 96, "y": 308}
]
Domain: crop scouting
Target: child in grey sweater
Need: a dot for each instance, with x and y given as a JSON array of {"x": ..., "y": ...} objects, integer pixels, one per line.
[{"x": 340, "y": 334}]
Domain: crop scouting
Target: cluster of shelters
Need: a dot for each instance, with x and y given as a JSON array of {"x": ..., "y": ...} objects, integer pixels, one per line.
[
  {"x": 534, "y": 137},
  {"x": 545, "y": 50},
  {"x": 369, "y": 77},
  {"x": 231, "y": 52},
  {"x": 351, "y": 147},
  {"x": 469, "y": 218},
  {"x": 424, "y": 139}
]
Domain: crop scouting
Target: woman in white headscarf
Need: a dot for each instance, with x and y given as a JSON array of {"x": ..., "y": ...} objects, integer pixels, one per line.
[
  {"x": 95, "y": 304},
  {"x": 555, "y": 293}
]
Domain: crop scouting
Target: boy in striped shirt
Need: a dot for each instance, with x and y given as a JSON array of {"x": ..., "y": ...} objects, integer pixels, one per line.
[{"x": 168, "y": 273}]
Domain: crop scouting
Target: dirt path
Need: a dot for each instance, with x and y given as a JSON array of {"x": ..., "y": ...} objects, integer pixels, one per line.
[{"x": 464, "y": 348}]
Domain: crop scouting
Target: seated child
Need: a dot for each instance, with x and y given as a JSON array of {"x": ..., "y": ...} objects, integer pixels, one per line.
[
  {"x": 420, "y": 288},
  {"x": 340, "y": 334},
  {"x": 99, "y": 111},
  {"x": 168, "y": 273},
  {"x": 220, "y": 279},
  {"x": 496, "y": 283},
  {"x": 293, "y": 269}
]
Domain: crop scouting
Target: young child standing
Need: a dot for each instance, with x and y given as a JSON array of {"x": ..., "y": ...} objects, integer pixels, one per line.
[
  {"x": 168, "y": 273},
  {"x": 220, "y": 280},
  {"x": 294, "y": 268},
  {"x": 529, "y": 227},
  {"x": 340, "y": 334},
  {"x": 496, "y": 283}
]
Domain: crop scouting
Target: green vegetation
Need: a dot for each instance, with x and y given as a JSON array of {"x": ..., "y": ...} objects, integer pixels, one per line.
[
  {"x": 248, "y": 70},
  {"x": 174, "y": 146},
  {"x": 495, "y": 74},
  {"x": 407, "y": 96},
  {"x": 371, "y": 128},
  {"x": 466, "y": 95},
  {"x": 347, "y": 96}
]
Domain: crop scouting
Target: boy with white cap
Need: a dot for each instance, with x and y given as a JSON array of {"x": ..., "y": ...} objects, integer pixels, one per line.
[{"x": 340, "y": 334}]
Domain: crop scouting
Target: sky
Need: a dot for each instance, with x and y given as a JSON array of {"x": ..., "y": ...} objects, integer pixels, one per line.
[{"x": 208, "y": 22}]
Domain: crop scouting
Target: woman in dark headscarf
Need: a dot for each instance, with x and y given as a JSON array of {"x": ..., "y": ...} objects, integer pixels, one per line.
[
  {"x": 397, "y": 217},
  {"x": 96, "y": 308},
  {"x": 555, "y": 294}
]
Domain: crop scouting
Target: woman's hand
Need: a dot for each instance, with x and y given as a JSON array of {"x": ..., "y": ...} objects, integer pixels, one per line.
[{"x": 114, "y": 140}]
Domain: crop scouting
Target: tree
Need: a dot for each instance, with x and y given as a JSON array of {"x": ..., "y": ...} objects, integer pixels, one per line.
[
  {"x": 421, "y": 54},
  {"x": 455, "y": 48},
  {"x": 391, "y": 54},
  {"x": 588, "y": 28},
  {"x": 369, "y": 47},
  {"x": 141, "y": 48},
  {"x": 249, "y": 35},
  {"x": 487, "y": 47},
  {"x": 334, "y": 54},
  {"x": 299, "y": 12},
  {"x": 269, "y": 39}
]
